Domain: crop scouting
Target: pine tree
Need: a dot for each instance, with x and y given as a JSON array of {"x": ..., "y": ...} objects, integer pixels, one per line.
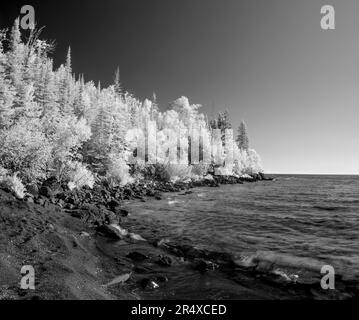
[
  {"x": 117, "y": 83},
  {"x": 7, "y": 92},
  {"x": 16, "y": 55},
  {"x": 67, "y": 87},
  {"x": 242, "y": 137}
]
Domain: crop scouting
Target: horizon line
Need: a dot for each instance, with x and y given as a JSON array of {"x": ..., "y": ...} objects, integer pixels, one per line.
[{"x": 313, "y": 174}]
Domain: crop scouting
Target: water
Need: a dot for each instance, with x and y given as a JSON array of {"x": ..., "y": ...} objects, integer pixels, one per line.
[{"x": 296, "y": 224}]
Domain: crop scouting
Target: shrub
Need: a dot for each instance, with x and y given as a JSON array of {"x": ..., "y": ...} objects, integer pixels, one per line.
[
  {"x": 3, "y": 173},
  {"x": 14, "y": 185},
  {"x": 200, "y": 169},
  {"x": 161, "y": 173},
  {"x": 118, "y": 171},
  {"x": 178, "y": 171},
  {"x": 80, "y": 176},
  {"x": 25, "y": 149}
]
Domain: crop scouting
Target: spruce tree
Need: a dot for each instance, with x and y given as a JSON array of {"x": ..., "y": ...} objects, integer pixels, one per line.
[
  {"x": 117, "y": 83},
  {"x": 7, "y": 92},
  {"x": 242, "y": 137}
]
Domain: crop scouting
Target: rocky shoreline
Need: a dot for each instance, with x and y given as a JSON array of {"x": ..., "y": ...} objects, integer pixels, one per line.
[{"x": 76, "y": 243}]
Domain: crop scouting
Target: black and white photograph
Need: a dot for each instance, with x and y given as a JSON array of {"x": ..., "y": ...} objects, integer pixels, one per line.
[{"x": 198, "y": 152}]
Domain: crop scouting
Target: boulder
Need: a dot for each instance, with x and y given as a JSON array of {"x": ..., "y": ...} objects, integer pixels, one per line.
[
  {"x": 165, "y": 261},
  {"x": 204, "y": 265},
  {"x": 110, "y": 231},
  {"x": 137, "y": 256},
  {"x": 149, "y": 284},
  {"x": 95, "y": 214}
]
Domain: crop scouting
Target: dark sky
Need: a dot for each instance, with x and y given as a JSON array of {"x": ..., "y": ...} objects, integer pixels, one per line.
[{"x": 266, "y": 61}]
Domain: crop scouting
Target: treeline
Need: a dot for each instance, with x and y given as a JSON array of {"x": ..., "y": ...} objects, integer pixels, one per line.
[{"x": 55, "y": 124}]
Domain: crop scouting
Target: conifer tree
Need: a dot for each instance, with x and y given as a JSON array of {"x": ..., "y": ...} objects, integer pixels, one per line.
[
  {"x": 7, "y": 91},
  {"x": 242, "y": 137},
  {"x": 117, "y": 83}
]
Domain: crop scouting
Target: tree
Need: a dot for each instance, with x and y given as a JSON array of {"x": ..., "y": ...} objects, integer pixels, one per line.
[
  {"x": 67, "y": 86},
  {"x": 7, "y": 91},
  {"x": 117, "y": 83},
  {"x": 242, "y": 137}
]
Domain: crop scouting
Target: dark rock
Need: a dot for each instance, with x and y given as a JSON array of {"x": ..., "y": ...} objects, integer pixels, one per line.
[
  {"x": 97, "y": 215},
  {"x": 162, "y": 279},
  {"x": 33, "y": 190},
  {"x": 162, "y": 243},
  {"x": 113, "y": 204},
  {"x": 157, "y": 196},
  {"x": 50, "y": 187},
  {"x": 150, "y": 193},
  {"x": 46, "y": 192},
  {"x": 204, "y": 265},
  {"x": 165, "y": 261},
  {"x": 110, "y": 232},
  {"x": 150, "y": 284},
  {"x": 61, "y": 203},
  {"x": 137, "y": 256},
  {"x": 41, "y": 201},
  {"x": 29, "y": 199},
  {"x": 142, "y": 270},
  {"x": 120, "y": 211}
]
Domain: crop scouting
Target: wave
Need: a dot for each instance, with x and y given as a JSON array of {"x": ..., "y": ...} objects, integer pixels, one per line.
[
  {"x": 268, "y": 261},
  {"x": 283, "y": 268},
  {"x": 330, "y": 208},
  {"x": 171, "y": 202}
]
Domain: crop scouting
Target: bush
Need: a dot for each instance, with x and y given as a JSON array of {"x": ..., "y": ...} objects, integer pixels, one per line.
[
  {"x": 161, "y": 173},
  {"x": 25, "y": 149},
  {"x": 200, "y": 169},
  {"x": 80, "y": 176},
  {"x": 3, "y": 173},
  {"x": 118, "y": 171},
  {"x": 178, "y": 171},
  {"x": 14, "y": 185}
]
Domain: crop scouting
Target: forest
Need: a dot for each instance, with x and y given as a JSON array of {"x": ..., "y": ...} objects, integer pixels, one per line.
[{"x": 54, "y": 124}]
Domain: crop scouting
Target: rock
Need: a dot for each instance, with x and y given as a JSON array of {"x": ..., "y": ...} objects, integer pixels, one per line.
[
  {"x": 136, "y": 237},
  {"x": 138, "y": 269},
  {"x": 113, "y": 204},
  {"x": 122, "y": 212},
  {"x": 162, "y": 279},
  {"x": 149, "y": 284},
  {"x": 29, "y": 199},
  {"x": 150, "y": 193},
  {"x": 205, "y": 265},
  {"x": 162, "y": 243},
  {"x": 33, "y": 190},
  {"x": 110, "y": 231},
  {"x": 42, "y": 201},
  {"x": 120, "y": 279},
  {"x": 84, "y": 234},
  {"x": 46, "y": 192},
  {"x": 50, "y": 187},
  {"x": 165, "y": 261},
  {"x": 137, "y": 256},
  {"x": 61, "y": 203},
  {"x": 97, "y": 215},
  {"x": 158, "y": 196}
]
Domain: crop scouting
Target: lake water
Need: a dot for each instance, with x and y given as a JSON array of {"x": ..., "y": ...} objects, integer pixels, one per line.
[{"x": 295, "y": 224}]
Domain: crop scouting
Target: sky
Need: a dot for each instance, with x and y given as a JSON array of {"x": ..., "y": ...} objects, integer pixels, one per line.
[{"x": 267, "y": 62}]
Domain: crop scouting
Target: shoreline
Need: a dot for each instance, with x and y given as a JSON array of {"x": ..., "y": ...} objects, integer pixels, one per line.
[{"x": 75, "y": 242}]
